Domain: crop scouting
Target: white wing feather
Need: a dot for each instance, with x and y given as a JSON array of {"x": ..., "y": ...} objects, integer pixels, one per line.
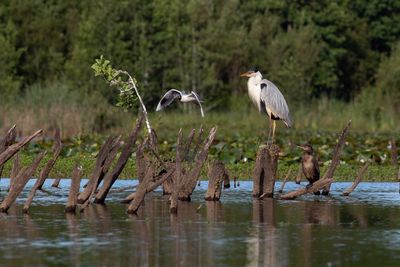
[{"x": 198, "y": 101}]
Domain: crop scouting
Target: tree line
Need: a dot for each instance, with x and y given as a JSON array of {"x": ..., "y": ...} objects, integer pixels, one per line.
[{"x": 310, "y": 49}]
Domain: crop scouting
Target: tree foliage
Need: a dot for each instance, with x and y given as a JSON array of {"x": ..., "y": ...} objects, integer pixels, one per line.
[{"x": 310, "y": 49}]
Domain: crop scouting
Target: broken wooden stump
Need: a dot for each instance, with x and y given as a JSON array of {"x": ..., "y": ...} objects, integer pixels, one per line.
[
  {"x": 112, "y": 175},
  {"x": 7, "y": 140},
  {"x": 13, "y": 149},
  {"x": 74, "y": 190},
  {"x": 265, "y": 171},
  {"x": 190, "y": 176},
  {"x": 176, "y": 180},
  {"x": 216, "y": 176},
  {"x": 357, "y": 180},
  {"x": 336, "y": 157},
  {"x": 19, "y": 183},
  {"x": 57, "y": 147},
  {"x": 104, "y": 159},
  {"x": 285, "y": 180},
  {"x": 16, "y": 167},
  {"x": 152, "y": 185},
  {"x": 393, "y": 152}
]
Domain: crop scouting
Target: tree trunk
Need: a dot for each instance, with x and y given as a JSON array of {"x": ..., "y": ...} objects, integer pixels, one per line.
[
  {"x": 8, "y": 139},
  {"x": 216, "y": 176},
  {"x": 112, "y": 176},
  {"x": 265, "y": 171},
  {"x": 44, "y": 173},
  {"x": 20, "y": 181},
  {"x": 74, "y": 190},
  {"x": 357, "y": 180}
]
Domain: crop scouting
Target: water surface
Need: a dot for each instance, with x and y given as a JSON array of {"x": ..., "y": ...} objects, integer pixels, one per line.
[{"x": 360, "y": 230}]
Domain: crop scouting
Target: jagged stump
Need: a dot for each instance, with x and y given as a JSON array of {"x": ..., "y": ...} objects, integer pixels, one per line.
[
  {"x": 265, "y": 171},
  {"x": 217, "y": 175}
]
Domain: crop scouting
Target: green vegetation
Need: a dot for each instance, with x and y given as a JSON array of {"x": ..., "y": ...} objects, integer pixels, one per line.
[{"x": 328, "y": 57}]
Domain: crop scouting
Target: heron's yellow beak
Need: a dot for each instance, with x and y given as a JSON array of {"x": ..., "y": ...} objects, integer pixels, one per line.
[{"x": 246, "y": 74}]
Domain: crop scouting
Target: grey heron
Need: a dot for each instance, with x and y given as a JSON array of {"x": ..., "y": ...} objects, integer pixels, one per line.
[
  {"x": 309, "y": 164},
  {"x": 173, "y": 94},
  {"x": 268, "y": 99}
]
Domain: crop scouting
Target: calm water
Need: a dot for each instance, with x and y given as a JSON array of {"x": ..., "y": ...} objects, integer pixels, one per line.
[{"x": 360, "y": 230}]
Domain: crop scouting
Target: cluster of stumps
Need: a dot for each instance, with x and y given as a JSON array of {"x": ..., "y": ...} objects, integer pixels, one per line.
[{"x": 178, "y": 176}]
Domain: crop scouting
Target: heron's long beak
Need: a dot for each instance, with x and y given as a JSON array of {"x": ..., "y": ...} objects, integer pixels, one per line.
[{"x": 246, "y": 74}]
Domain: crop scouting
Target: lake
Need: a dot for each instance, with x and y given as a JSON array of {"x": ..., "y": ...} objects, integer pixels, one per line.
[{"x": 360, "y": 230}]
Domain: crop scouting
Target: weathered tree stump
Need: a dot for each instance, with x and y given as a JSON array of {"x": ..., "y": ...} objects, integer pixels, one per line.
[
  {"x": 16, "y": 167},
  {"x": 336, "y": 157},
  {"x": 176, "y": 180},
  {"x": 13, "y": 149},
  {"x": 393, "y": 152},
  {"x": 152, "y": 185},
  {"x": 285, "y": 180},
  {"x": 8, "y": 139},
  {"x": 74, "y": 190},
  {"x": 112, "y": 176},
  {"x": 189, "y": 177},
  {"x": 357, "y": 180},
  {"x": 265, "y": 171},
  {"x": 44, "y": 173},
  {"x": 20, "y": 181},
  {"x": 104, "y": 159},
  {"x": 216, "y": 175}
]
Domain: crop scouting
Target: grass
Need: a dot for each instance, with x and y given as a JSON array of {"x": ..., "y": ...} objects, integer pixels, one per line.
[{"x": 241, "y": 170}]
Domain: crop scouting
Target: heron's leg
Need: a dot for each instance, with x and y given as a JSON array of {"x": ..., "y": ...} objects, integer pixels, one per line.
[
  {"x": 273, "y": 130},
  {"x": 269, "y": 130}
]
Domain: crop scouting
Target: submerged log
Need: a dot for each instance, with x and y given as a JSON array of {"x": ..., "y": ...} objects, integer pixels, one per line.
[
  {"x": 265, "y": 171},
  {"x": 7, "y": 140},
  {"x": 336, "y": 157},
  {"x": 285, "y": 180},
  {"x": 393, "y": 152},
  {"x": 357, "y": 180},
  {"x": 57, "y": 147},
  {"x": 112, "y": 176},
  {"x": 216, "y": 177},
  {"x": 20, "y": 181},
  {"x": 74, "y": 190},
  {"x": 318, "y": 185}
]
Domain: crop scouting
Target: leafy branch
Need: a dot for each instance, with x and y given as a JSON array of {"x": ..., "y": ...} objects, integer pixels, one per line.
[{"x": 126, "y": 84}]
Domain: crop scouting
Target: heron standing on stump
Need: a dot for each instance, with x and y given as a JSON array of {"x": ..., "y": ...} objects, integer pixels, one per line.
[
  {"x": 268, "y": 99},
  {"x": 310, "y": 166}
]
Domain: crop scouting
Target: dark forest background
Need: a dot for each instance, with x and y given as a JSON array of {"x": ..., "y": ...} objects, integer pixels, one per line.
[{"x": 332, "y": 56}]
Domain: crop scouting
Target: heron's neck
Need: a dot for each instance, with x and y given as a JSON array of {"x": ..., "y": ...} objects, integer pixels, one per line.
[{"x": 255, "y": 79}]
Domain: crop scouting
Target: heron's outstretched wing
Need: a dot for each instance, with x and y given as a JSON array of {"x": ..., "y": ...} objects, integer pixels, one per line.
[
  {"x": 198, "y": 101},
  {"x": 275, "y": 102},
  {"x": 168, "y": 98}
]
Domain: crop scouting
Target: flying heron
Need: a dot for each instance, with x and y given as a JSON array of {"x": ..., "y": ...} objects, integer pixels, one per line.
[
  {"x": 173, "y": 94},
  {"x": 268, "y": 99},
  {"x": 309, "y": 164}
]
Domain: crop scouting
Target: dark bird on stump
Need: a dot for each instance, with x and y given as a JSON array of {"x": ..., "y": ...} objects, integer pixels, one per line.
[
  {"x": 309, "y": 164},
  {"x": 268, "y": 99}
]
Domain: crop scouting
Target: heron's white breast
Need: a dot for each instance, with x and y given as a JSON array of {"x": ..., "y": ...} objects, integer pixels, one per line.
[{"x": 254, "y": 90}]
